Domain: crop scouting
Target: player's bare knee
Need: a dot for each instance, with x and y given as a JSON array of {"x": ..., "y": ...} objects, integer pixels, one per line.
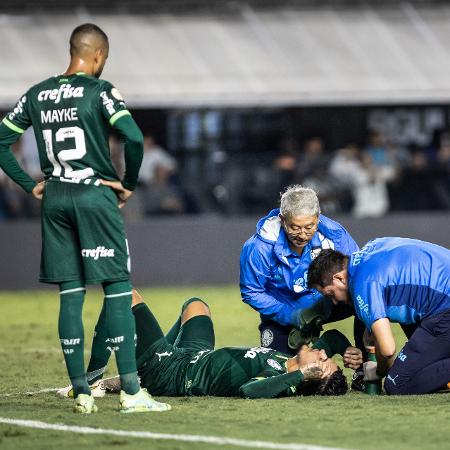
[
  {"x": 136, "y": 298},
  {"x": 194, "y": 307}
]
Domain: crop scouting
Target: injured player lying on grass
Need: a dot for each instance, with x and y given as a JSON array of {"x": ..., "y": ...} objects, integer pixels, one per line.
[{"x": 184, "y": 362}]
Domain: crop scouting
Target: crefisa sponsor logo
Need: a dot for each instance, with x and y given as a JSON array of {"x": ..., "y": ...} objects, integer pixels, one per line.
[
  {"x": 96, "y": 253},
  {"x": 64, "y": 91}
]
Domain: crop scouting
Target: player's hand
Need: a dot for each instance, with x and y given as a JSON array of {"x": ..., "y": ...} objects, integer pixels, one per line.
[
  {"x": 352, "y": 357},
  {"x": 316, "y": 370},
  {"x": 122, "y": 194},
  {"x": 38, "y": 190},
  {"x": 370, "y": 371}
]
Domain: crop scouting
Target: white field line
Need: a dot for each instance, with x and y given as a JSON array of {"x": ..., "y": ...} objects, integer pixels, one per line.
[
  {"x": 216, "y": 440},
  {"x": 31, "y": 350},
  {"x": 40, "y": 391}
]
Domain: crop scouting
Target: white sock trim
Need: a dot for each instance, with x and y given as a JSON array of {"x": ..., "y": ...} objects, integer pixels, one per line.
[
  {"x": 119, "y": 295},
  {"x": 69, "y": 291}
]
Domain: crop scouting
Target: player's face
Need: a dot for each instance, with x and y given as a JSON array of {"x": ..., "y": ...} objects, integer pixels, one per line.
[
  {"x": 308, "y": 355},
  {"x": 300, "y": 229},
  {"x": 338, "y": 289}
]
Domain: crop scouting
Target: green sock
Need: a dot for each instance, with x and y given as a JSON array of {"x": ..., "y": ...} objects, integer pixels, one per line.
[
  {"x": 71, "y": 333},
  {"x": 121, "y": 332},
  {"x": 100, "y": 352}
]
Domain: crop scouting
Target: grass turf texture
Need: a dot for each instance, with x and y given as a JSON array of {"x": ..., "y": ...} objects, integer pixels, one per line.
[{"x": 30, "y": 359}]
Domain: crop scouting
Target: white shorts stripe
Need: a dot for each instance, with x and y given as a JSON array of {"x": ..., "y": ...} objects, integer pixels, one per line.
[
  {"x": 214, "y": 440},
  {"x": 69, "y": 291},
  {"x": 119, "y": 295}
]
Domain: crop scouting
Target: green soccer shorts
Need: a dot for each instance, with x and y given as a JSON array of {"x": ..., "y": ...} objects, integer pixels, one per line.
[
  {"x": 83, "y": 235},
  {"x": 162, "y": 365}
]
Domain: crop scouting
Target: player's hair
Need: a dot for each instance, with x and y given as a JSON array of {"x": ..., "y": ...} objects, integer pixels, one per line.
[
  {"x": 335, "y": 384},
  {"x": 83, "y": 30},
  {"x": 324, "y": 266},
  {"x": 297, "y": 200}
]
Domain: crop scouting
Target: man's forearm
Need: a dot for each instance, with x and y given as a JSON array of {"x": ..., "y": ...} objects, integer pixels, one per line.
[
  {"x": 384, "y": 364},
  {"x": 9, "y": 163},
  {"x": 284, "y": 385},
  {"x": 132, "y": 137}
]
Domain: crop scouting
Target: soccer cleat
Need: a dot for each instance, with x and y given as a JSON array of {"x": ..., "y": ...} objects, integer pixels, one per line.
[
  {"x": 358, "y": 383},
  {"x": 98, "y": 390},
  {"x": 84, "y": 404},
  {"x": 140, "y": 402}
]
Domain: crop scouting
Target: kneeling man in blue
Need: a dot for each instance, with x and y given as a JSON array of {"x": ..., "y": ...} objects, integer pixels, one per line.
[{"x": 396, "y": 280}]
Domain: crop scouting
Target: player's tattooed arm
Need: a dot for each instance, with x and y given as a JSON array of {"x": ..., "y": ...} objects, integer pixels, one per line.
[{"x": 315, "y": 371}]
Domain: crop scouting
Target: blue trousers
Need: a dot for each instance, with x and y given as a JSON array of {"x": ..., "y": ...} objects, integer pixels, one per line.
[{"x": 423, "y": 365}]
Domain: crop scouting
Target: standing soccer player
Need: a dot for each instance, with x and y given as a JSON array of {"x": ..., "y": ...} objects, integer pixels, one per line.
[{"x": 83, "y": 237}]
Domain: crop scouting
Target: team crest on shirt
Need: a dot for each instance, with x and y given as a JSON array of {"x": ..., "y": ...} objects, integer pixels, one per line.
[
  {"x": 116, "y": 94},
  {"x": 275, "y": 364},
  {"x": 300, "y": 284},
  {"x": 266, "y": 338}
]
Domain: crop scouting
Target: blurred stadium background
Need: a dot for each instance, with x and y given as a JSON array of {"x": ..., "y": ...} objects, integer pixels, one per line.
[{"x": 237, "y": 100}]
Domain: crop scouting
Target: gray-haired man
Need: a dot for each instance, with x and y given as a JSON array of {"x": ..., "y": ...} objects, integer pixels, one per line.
[{"x": 274, "y": 267}]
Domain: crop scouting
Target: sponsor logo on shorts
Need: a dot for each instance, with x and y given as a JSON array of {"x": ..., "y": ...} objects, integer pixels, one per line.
[
  {"x": 96, "y": 253},
  {"x": 275, "y": 364},
  {"x": 64, "y": 91},
  {"x": 401, "y": 356},
  {"x": 266, "y": 338}
]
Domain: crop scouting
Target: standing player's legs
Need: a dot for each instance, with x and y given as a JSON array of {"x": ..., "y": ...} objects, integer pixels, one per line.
[
  {"x": 106, "y": 260},
  {"x": 61, "y": 264},
  {"x": 423, "y": 365}
]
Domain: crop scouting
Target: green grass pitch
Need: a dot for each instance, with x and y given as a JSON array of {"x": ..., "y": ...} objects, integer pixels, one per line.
[{"x": 30, "y": 360}]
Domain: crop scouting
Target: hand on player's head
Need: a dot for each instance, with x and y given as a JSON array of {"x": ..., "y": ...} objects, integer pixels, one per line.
[{"x": 314, "y": 363}]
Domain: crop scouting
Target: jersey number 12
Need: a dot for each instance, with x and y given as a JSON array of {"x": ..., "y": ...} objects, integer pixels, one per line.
[{"x": 61, "y": 166}]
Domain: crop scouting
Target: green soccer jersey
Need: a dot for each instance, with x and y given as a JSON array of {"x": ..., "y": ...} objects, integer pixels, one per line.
[
  {"x": 251, "y": 372},
  {"x": 71, "y": 116}
]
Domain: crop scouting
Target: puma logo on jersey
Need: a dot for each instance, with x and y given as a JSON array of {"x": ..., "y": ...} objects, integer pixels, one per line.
[
  {"x": 59, "y": 115},
  {"x": 99, "y": 252},
  {"x": 64, "y": 91},
  {"x": 160, "y": 355}
]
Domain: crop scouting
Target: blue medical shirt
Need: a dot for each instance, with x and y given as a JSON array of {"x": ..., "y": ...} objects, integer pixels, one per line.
[{"x": 405, "y": 280}]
